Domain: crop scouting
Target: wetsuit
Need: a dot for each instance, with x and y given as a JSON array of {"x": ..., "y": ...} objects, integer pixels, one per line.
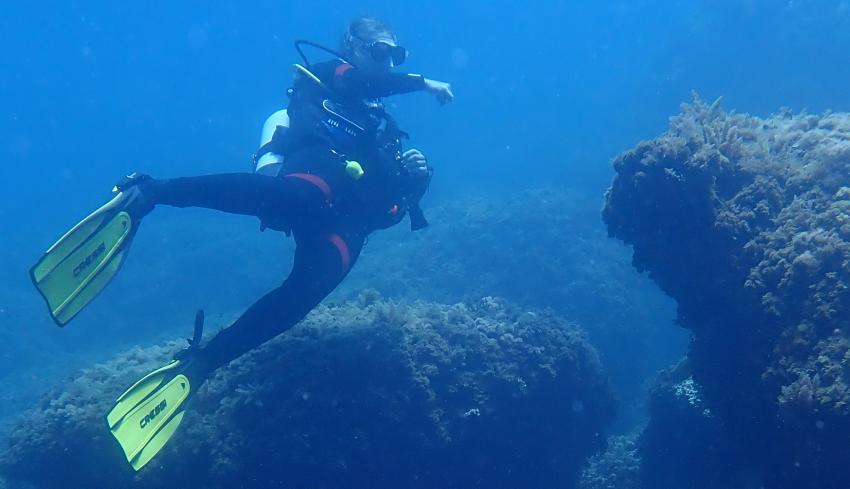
[{"x": 328, "y": 212}]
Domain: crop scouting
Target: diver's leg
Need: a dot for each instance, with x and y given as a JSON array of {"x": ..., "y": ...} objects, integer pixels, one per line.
[
  {"x": 239, "y": 193},
  {"x": 321, "y": 262}
]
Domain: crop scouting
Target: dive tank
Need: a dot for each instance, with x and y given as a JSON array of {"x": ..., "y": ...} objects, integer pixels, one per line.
[{"x": 270, "y": 162}]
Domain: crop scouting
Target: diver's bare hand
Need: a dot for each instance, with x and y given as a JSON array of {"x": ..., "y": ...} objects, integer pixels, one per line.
[
  {"x": 414, "y": 163},
  {"x": 441, "y": 90}
]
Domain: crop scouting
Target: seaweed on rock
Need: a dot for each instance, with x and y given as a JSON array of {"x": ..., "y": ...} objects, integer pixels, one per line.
[
  {"x": 617, "y": 467},
  {"x": 377, "y": 395},
  {"x": 744, "y": 222},
  {"x": 685, "y": 443},
  {"x": 542, "y": 248}
]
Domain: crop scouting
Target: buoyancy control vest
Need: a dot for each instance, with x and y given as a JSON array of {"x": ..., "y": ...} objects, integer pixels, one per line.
[{"x": 361, "y": 146}]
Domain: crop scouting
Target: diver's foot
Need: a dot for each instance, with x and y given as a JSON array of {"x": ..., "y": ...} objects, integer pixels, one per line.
[
  {"x": 132, "y": 180},
  {"x": 136, "y": 187}
]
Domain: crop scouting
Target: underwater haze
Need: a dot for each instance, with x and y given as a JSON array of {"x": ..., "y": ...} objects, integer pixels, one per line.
[{"x": 613, "y": 284}]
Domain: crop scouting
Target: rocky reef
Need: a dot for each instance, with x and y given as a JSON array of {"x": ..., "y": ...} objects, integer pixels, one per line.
[
  {"x": 617, "y": 467},
  {"x": 745, "y": 222},
  {"x": 686, "y": 444},
  {"x": 543, "y": 248},
  {"x": 368, "y": 394}
]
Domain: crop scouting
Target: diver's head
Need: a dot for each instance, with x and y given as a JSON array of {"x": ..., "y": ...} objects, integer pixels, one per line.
[{"x": 372, "y": 46}]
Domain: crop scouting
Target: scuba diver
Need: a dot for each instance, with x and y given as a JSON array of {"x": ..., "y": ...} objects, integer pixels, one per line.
[{"x": 331, "y": 169}]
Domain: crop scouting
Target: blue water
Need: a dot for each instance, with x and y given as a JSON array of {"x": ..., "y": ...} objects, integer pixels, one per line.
[{"x": 546, "y": 94}]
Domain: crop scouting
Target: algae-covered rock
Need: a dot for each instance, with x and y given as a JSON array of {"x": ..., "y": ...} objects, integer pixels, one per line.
[
  {"x": 377, "y": 394},
  {"x": 745, "y": 222},
  {"x": 617, "y": 467},
  {"x": 685, "y": 443},
  {"x": 542, "y": 248}
]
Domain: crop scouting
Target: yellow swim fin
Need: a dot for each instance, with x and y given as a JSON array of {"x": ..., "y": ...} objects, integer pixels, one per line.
[
  {"x": 148, "y": 414},
  {"x": 83, "y": 261}
]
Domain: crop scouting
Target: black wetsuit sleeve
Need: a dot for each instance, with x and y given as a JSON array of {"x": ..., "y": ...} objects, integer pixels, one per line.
[{"x": 348, "y": 81}]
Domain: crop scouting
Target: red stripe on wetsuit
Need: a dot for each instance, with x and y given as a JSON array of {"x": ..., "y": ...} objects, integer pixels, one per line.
[{"x": 335, "y": 239}]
